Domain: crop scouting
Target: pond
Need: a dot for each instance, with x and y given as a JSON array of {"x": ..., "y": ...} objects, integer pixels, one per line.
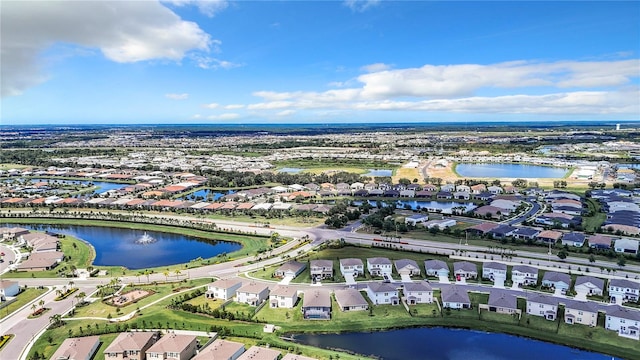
[
  {"x": 521, "y": 171},
  {"x": 206, "y": 195},
  {"x": 291, "y": 170},
  {"x": 446, "y": 344},
  {"x": 102, "y": 186},
  {"x": 432, "y": 206},
  {"x": 122, "y": 247},
  {"x": 378, "y": 172}
]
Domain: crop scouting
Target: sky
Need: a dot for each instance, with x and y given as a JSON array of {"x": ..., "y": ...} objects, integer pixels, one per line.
[{"x": 227, "y": 62}]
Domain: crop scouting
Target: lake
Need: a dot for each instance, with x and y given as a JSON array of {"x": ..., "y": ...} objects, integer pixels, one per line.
[
  {"x": 117, "y": 247},
  {"x": 205, "y": 195},
  {"x": 378, "y": 172},
  {"x": 433, "y": 206},
  {"x": 290, "y": 170},
  {"x": 521, "y": 171},
  {"x": 102, "y": 186},
  {"x": 446, "y": 344}
]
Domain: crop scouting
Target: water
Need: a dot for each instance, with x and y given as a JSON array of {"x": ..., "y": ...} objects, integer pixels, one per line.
[
  {"x": 446, "y": 344},
  {"x": 510, "y": 171},
  {"x": 102, "y": 186},
  {"x": 379, "y": 172},
  {"x": 290, "y": 170},
  {"x": 205, "y": 195},
  {"x": 629, "y": 166},
  {"x": 433, "y": 206},
  {"x": 117, "y": 247}
]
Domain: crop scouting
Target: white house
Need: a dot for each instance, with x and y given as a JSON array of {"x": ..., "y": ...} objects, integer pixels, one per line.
[
  {"x": 495, "y": 189},
  {"x": 465, "y": 269},
  {"x": 436, "y": 268},
  {"x": 413, "y": 220},
  {"x": 407, "y": 267},
  {"x": 224, "y": 289},
  {"x": 589, "y": 285},
  {"x": 418, "y": 293},
  {"x": 494, "y": 270},
  {"x": 383, "y": 293},
  {"x": 623, "y": 290},
  {"x": 352, "y": 266},
  {"x": 252, "y": 294},
  {"x": 625, "y": 321},
  {"x": 290, "y": 269},
  {"x": 321, "y": 269},
  {"x": 626, "y": 246},
  {"x": 542, "y": 305},
  {"x": 283, "y": 297},
  {"x": 556, "y": 280},
  {"x": 455, "y": 297},
  {"x": 8, "y": 289},
  {"x": 580, "y": 312},
  {"x": 524, "y": 275},
  {"x": 379, "y": 266}
]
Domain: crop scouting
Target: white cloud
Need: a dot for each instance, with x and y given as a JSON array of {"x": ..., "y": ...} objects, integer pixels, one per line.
[
  {"x": 207, "y": 62},
  {"x": 375, "y": 67},
  {"x": 124, "y": 31},
  {"x": 183, "y": 96},
  {"x": 284, "y": 113},
  {"x": 226, "y": 116},
  {"x": 360, "y": 5},
  {"x": 207, "y": 7},
  {"x": 234, "y": 106},
  {"x": 211, "y": 106}
]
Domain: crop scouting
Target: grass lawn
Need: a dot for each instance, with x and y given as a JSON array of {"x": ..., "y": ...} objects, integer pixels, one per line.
[
  {"x": 22, "y": 299},
  {"x": 201, "y": 300},
  {"x": 7, "y": 166},
  {"x": 592, "y": 223},
  {"x": 259, "y": 221},
  {"x": 239, "y": 309}
]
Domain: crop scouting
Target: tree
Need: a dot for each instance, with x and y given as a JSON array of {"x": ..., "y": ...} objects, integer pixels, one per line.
[
  {"x": 622, "y": 261},
  {"x": 562, "y": 254},
  {"x": 592, "y": 258}
]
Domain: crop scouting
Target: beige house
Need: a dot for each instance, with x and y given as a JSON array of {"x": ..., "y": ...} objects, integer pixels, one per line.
[
  {"x": 283, "y": 297},
  {"x": 581, "y": 312},
  {"x": 131, "y": 345},
  {"x": 260, "y": 353},
  {"x": 221, "y": 350},
  {"x": 81, "y": 348},
  {"x": 224, "y": 289},
  {"x": 252, "y": 294},
  {"x": 173, "y": 347}
]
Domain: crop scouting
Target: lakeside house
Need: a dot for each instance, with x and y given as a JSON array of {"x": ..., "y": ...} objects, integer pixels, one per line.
[
  {"x": 623, "y": 290},
  {"x": 580, "y": 312},
  {"x": 455, "y": 297},
  {"x": 223, "y": 289},
  {"x": 350, "y": 300},
  {"x": 625, "y": 322},
  {"x": 316, "y": 305},
  {"x": 502, "y": 302},
  {"x": 542, "y": 305},
  {"x": 383, "y": 294},
  {"x": 418, "y": 293},
  {"x": 283, "y": 296},
  {"x": 252, "y": 294}
]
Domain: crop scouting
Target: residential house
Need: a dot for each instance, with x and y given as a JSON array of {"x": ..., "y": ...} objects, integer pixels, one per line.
[
  {"x": 542, "y": 305},
  {"x": 525, "y": 233},
  {"x": 321, "y": 269},
  {"x": 8, "y": 288},
  {"x": 448, "y": 188},
  {"x": 478, "y": 188},
  {"x": 131, "y": 345},
  {"x": 350, "y": 300},
  {"x": 465, "y": 269},
  {"x": 413, "y": 220},
  {"x": 41, "y": 261},
  {"x": 440, "y": 224},
  {"x": 407, "y": 267},
  {"x": 379, "y": 266},
  {"x": 223, "y": 289},
  {"x": 573, "y": 239},
  {"x": 502, "y": 231},
  {"x": 482, "y": 228},
  {"x": 494, "y": 270},
  {"x": 626, "y": 246},
  {"x": 383, "y": 293},
  {"x": 221, "y": 350},
  {"x": 436, "y": 268},
  {"x": 260, "y": 353},
  {"x": 283, "y": 297},
  {"x": 598, "y": 241},
  {"x": 580, "y": 312},
  {"x": 489, "y": 211},
  {"x": 495, "y": 190},
  {"x": 549, "y": 236},
  {"x": 623, "y": 290},
  {"x": 418, "y": 293},
  {"x": 316, "y": 305},
  {"x": 82, "y": 348},
  {"x": 625, "y": 321},
  {"x": 589, "y": 285},
  {"x": 463, "y": 188},
  {"x": 556, "y": 280},
  {"x": 173, "y": 347},
  {"x": 502, "y": 302},
  {"x": 290, "y": 269},
  {"x": 252, "y": 294},
  {"x": 455, "y": 297},
  {"x": 523, "y": 275},
  {"x": 461, "y": 195},
  {"x": 351, "y": 266}
]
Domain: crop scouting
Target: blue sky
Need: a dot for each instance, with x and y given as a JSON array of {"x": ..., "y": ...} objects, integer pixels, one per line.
[{"x": 183, "y": 61}]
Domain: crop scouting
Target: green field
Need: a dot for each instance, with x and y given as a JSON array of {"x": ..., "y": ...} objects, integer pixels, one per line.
[{"x": 25, "y": 297}]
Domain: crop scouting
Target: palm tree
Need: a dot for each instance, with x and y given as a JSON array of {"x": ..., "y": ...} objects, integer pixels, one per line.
[
  {"x": 166, "y": 275},
  {"x": 41, "y": 303},
  {"x": 177, "y": 272},
  {"x": 55, "y": 319},
  {"x": 71, "y": 283},
  {"x": 33, "y": 308}
]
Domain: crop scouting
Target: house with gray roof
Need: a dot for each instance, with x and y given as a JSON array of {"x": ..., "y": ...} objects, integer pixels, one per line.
[
  {"x": 502, "y": 302},
  {"x": 523, "y": 275},
  {"x": 589, "y": 285},
  {"x": 436, "y": 268},
  {"x": 493, "y": 270},
  {"x": 525, "y": 233},
  {"x": 556, "y": 280},
  {"x": 383, "y": 293},
  {"x": 624, "y": 321},
  {"x": 316, "y": 305},
  {"x": 626, "y": 246},
  {"x": 131, "y": 345},
  {"x": 407, "y": 267},
  {"x": 252, "y": 294},
  {"x": 350, "y": 300},
  {"x": 321, "y": 269},
  {"x": 290, "y": 269},
  {"x": 379, "y": 266},
  {"x": 455, "y": 297},
  {"x": 223, "y": 289},
  {"x": 580, "y": 312},
  {"x": 573, "y": 239},
  {"x": 465, "y": 269},
  {"x": 623, "y": 290},
  {"x": 353, "y": 266},
  {"x": 542, "y": 305},
  {"x": 418, "y": 293}
]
